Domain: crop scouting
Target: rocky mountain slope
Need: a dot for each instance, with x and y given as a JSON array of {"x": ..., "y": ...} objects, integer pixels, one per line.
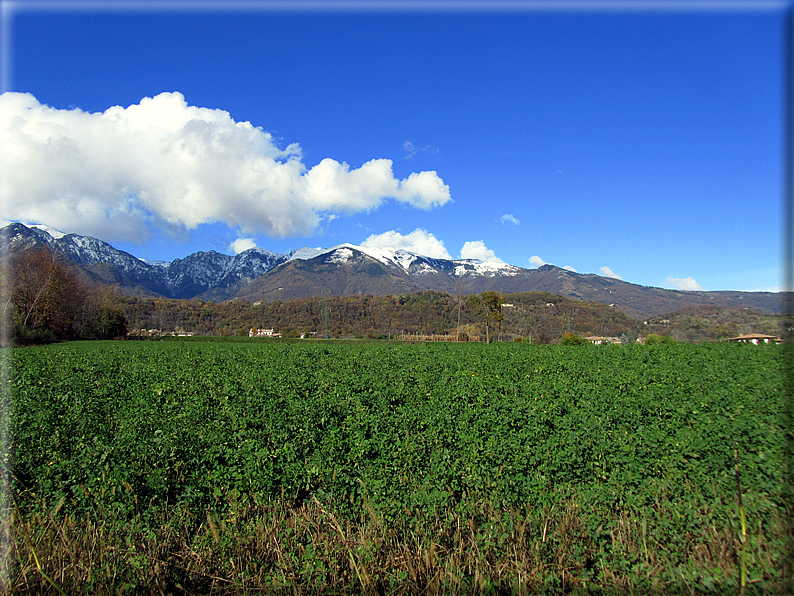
[{"x": 190, "y": 277}]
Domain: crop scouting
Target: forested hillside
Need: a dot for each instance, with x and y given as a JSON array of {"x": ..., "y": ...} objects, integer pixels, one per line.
[
  {"x": 714, "y": 322},
  {"x": 539, "y": 317}
]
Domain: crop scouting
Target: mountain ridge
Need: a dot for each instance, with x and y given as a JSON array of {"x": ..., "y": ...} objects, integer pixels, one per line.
[{"x": 258, "y": 274}]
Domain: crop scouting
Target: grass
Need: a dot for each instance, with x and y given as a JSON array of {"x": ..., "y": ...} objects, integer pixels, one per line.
[{"x": 246, "y": 546}]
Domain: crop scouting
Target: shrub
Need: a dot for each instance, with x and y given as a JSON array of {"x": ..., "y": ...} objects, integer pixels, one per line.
[
  {"x": 569, "y": 339},
  {"x": 655, "y": 339}
]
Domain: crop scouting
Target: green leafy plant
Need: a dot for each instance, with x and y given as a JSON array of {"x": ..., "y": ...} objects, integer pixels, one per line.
[{"x": 384, "y": 464}]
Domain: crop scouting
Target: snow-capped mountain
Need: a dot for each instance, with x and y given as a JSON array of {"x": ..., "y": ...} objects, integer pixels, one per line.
[
  {"x": 214, "y": 275},
  {"x": 182, "y": 278},
  {"x": 410, "y": 262},
  {"x": 346, "y": 269}
]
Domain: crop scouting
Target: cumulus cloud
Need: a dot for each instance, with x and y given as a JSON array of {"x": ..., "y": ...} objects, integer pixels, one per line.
[
  {"x": 687, "y": 283},
  {"x": 509, "y": 218},
  {"x": 419, "y": 241},
  {"x": 476, "y": 249},
  {"x": 536, "y": 261},
  {"x": 177, "y": 166},
  {"x": 609, "y": 273},
  {"x": 242, "y": 244}
]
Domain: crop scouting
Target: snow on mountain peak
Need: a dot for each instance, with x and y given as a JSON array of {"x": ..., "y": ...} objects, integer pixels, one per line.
[
  {"x": 52, "y": 232},
  {"x": 259, "y": 251},
  {"x": 343, "y": 252},
  {"x": 404, "y": 257},
  {"x": 383, "y": 255},
  {"x": 478, "y": 267},
  {"x": 163, "y": 264},
  {"x": 304, "y": 253},
  {"x": 341, "y": 255}
]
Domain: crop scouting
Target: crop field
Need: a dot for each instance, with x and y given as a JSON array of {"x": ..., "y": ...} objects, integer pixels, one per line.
[{"x": 323, "y": 467}]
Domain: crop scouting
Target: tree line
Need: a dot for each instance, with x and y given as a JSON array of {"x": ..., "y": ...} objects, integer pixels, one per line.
[{"x": 539, "y": 317}]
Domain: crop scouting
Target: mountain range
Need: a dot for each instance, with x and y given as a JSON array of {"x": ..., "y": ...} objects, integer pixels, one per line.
[{"x": 258, "y": 274}]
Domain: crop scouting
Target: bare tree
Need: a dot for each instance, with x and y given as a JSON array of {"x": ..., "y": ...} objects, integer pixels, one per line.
[{"x": 44, "y": 297}]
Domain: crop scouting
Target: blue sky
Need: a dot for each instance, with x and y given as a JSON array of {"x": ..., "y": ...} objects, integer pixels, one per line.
[{"x": 635, "y": 143}]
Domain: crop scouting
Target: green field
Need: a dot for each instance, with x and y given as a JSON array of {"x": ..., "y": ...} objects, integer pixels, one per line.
[{"x": 315, "y": 467}]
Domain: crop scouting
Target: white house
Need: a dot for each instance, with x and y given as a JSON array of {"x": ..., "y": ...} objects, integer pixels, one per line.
[
  {"x": 263, "y": 333},
  {"x": 756, "y": 338}
]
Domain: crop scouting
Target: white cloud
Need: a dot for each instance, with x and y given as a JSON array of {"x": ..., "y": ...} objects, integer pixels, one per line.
[
  {"x": 423, "y": 190},
  {"x": 177, "y": 166},
  {"x": 419, "y": 241},
  {"x": 536, "y": 261},
  {"x": 687, "y": 283},
  {"x": 508, "y": 217},
  {"x": 411, "y": 150},
  {"x": 476, "y": 249},
  {"x": 609, "y": 273},
  {"x": 242, "y": 244}
]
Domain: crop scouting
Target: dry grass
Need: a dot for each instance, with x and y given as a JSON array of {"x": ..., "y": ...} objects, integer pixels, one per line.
[{"x": 248, "y": 547}]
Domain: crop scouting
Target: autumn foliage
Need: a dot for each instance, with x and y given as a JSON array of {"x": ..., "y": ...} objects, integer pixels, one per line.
[{"x": 44, "y": 300}]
